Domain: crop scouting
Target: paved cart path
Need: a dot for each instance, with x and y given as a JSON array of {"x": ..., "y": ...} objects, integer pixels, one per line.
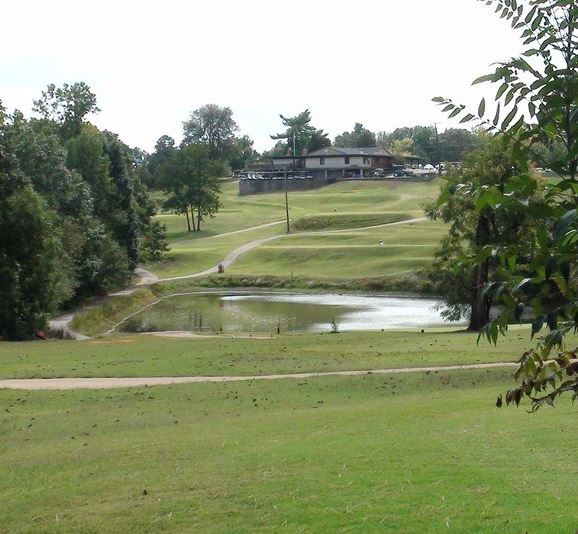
[{"x": 130, "y": 382}]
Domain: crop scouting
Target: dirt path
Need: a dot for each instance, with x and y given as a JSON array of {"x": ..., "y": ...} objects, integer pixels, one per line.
[
  {"x": 114, "y": 383},
  {"x": 250, "y": 245}
]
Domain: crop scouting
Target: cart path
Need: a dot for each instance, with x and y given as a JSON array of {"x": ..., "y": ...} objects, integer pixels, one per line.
[
  {"x": 131, "y": 382},
  {"x": 250, "y": 245}
]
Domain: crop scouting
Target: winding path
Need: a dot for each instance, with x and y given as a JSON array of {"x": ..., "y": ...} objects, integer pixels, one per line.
[
  {"x": 250, "y": 245},
  {"x": 131, "y": 382}
]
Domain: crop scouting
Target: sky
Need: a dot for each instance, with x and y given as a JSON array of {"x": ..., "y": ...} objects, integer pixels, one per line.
[{"x": 150, "y": 63}]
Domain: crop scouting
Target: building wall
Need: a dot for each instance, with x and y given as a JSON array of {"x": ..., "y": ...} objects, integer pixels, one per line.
[
  {"x": 255, "y": 187},
  {"x": 338, "y": 162},
  {"x": 283, "y": 161}
]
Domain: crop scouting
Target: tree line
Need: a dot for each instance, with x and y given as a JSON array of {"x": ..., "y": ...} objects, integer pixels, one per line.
[{"x": 75, "y": 219}]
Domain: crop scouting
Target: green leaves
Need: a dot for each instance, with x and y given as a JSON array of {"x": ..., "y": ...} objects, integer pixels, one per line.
[{"x": 482, "y": 108}]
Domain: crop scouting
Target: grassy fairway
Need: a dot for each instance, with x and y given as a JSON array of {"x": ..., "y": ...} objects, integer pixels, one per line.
[
  {"x": 142, "y": 355},
  {"x": 339, "y": 206},
  {"x": 419, "y": 453},
  {"x": 346, "y": 254}
]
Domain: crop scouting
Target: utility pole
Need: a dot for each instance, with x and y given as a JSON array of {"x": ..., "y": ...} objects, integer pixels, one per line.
[
  {"x": 286, "y": 195},
  {"x": 438, "y": 148},
  {"x": 286, "y": 202}
]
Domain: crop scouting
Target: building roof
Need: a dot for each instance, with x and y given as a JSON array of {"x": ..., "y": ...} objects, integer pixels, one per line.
[{"x": 344, "y": 151}]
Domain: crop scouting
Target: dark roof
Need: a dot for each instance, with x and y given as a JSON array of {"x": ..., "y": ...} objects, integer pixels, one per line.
[{"x": 342, "y": 151}]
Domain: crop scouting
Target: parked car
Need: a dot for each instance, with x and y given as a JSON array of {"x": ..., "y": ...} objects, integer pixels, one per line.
[
  {"x": 429, "y": 168},
  {"x": 379, "y": 173},
  {"x": 399, "y": 171}
]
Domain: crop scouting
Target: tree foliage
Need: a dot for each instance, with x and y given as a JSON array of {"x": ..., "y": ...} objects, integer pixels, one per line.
[
  {"x": 300, "y": 135},
  {"x": 73, "y": 213},
  {"x": 465, "y": 262},
  {"x": 214, "y": 127},
  {"x": 537, "y": 102},
  {"x": 359, "y": 137},
  {"x": 190, "y": 177}
]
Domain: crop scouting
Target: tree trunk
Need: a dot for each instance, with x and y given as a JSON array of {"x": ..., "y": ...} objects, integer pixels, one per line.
[
  {"x": 480, "y": 313},
  {"x": 198, "y": 219},
  {"x": 193, "y": 218},
  {"x": 188, "y": 220}
]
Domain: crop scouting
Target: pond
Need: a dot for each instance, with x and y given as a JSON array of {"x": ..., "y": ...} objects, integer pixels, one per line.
[{"x": 283, "y": 312}]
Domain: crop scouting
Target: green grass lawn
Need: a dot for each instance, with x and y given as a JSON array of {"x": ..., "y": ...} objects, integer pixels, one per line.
[
  {"x": 415, "y": 453},
  {"x": 346, "y": 254},
  {"x": 338, "y": 206},
  {"x": 345, "y": 197},
  {"x": 144, "y": 355}
]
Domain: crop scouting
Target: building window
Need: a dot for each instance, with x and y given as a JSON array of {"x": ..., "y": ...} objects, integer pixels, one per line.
[
  {"x": 366, "y": 161},
  {"x": 321, "y": 161},
  {"x": 346, "y": 160}
]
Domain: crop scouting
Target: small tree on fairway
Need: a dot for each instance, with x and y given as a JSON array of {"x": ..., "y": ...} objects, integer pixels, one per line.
[{"x": 190, "y": 177}]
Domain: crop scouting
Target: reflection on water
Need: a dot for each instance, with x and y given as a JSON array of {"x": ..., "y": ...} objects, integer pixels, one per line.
[{"x": 285, "y": 313}]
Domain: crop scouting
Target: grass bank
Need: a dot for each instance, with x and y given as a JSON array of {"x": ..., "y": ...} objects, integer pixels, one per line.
[
  {"x": 148, "y": 355},
  {"x": 346, "y": 220},
  {"x": 102, "y": 316},
  {"x": 419, "y": 453}
]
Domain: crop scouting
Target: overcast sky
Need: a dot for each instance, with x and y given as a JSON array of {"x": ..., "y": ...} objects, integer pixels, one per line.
[{"x": 150, "y": 63}]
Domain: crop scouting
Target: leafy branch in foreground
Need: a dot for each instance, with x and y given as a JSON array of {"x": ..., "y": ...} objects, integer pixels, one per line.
[{"x": 536, "y": 102}]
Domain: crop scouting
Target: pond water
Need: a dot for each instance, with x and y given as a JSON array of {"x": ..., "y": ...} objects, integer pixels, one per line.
[{"x": 267, "y": 312}]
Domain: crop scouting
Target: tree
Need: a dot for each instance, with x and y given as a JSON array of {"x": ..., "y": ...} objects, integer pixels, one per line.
[
  {"x": 359, "y": 137},
  {"x": 454, "y": 143},
  {"x": 214, "y": 126},
  {"x": 67, "y": 106},
  {"x": 401, "y": 148},
  {"x": 243, "y": 152},
  {"x": 300, "y": 136},
  {"x": 464, "y": 264},
  {"x": 537, "y": 101},
  {"x": 423, "y": 139},
  {"x": 28, "y": 274},
  {"x": 190, "y": 177}
]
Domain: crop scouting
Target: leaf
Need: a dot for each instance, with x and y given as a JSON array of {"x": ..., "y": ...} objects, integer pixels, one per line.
[
  {"x": 509, "y": 117},
  {"x": 485, "y": 78},
  {"x": 482, "y": 108},
  {"x": 497, "y": 117}
]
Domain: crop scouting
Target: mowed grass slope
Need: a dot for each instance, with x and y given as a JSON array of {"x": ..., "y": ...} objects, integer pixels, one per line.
[
  {"x": 359, "y": 253},
  {"x": 339, "y": 206},
  {"x": 145, "y": 355},
  {"x": 416, "y": 453}
]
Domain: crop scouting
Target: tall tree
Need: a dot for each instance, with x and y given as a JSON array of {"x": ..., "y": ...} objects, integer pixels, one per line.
[
  {"x": 190, "y": 178},
  {"x": 464, "y": 264},
  {"x": 537, "y": 101},
  {"x": 359, "y": 137},
  {"x": 300, "y": 136},
  {"x": 213, "y": 126},
  {"x": 243, "y": 152},
  {"x": 28, "y": 250},
  {"x": 67, "y": 106}
]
